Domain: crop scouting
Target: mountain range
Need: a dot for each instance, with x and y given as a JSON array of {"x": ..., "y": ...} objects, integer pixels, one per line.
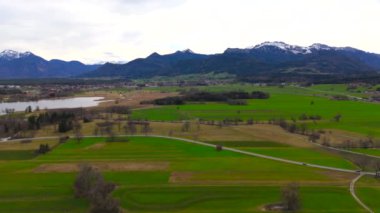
[
  {"x": 268, "y": 60},
  {"x": 27, "y": 65}
]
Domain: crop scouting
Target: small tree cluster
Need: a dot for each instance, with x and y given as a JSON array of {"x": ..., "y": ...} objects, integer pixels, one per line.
[
  {"x": 314, "y": 137},
  {"x": 43, "y": 149},
  {"x": 305, "y": 117},
  {"x": 337, "y": 117}
]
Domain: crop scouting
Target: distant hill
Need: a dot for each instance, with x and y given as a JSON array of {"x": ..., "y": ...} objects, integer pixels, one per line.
[
  {"x": 266, "y": 60},
  {"x": 27, "y": 65}
]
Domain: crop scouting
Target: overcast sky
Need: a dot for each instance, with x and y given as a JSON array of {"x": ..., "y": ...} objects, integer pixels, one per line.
[{"x": 121, "y": 30}]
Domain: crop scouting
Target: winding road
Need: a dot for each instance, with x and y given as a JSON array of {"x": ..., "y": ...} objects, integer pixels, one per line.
[{"x": 352, "y": 191}]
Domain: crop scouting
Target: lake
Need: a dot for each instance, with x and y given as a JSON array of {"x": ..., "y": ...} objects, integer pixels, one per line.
[{"x": 52, "y": 104}]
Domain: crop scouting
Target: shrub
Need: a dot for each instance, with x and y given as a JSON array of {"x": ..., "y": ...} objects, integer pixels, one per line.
[
  {"x": 259, "y": 95},
  {"x": 43, "y": 149},
  {"x": 237, "y": 102}
]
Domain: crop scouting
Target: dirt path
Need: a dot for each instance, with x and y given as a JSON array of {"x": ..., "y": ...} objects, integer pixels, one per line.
[{"x": 352, "y": 191}]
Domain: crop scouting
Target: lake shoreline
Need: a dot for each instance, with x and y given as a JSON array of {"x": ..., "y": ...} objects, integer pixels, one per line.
[{"x": 59, "y": 103}]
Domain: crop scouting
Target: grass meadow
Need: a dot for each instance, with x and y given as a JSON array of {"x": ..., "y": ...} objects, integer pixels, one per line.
[
  {"x": 356, "y": 116},
  {"x": 162, "y": 175}
]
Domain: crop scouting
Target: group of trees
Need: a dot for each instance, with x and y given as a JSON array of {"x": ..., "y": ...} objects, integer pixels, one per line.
[
  {"x": 10, "y": 126},
  {"x": 90, "y": 185},
  {"x": 130, "y": 127},
  {"x": 236, "y": 98},
  {"x": 64, "y": 120},
  {"x": 366, "y": 143}
]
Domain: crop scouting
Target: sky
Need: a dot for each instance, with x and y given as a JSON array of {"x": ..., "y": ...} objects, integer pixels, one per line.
[{"x": 95, "y": 31}]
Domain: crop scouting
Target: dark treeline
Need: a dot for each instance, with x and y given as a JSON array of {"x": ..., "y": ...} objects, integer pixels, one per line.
[
  {"x": 10, "y": 91},
  {"x": 210, "y": 96}
]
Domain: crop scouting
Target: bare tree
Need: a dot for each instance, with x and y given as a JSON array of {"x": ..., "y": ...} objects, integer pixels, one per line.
[
  {"x": 91, "y": 185},
  {"x": 131, "y": 127},
  {"x": 85, "y": 180},
  {"x": 186, "y": 126},
  {"x": 290, "y": 197},
  {"x": 145, "y": 129},
  {"x": 326, "y": 142},
  {"x": 376, "y": 165},
  {"x": 314, "y": 137},
  {"x": 77, "y": 128}
]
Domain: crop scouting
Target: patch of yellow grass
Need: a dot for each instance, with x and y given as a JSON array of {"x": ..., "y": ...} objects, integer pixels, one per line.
[{"x": 111, "y": 166}]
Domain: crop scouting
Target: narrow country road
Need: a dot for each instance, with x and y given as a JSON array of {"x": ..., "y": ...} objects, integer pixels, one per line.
[{"x": 352, "y": 190}]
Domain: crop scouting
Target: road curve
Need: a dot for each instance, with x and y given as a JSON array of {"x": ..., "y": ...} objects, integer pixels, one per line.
[
  {"x": 214, "y": 146},
  {"x": 352, "y": 191}
]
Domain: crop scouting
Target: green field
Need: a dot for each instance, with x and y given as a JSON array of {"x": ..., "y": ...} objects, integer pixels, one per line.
[
  {"x": 166, "y": 175},
  {"x": 306, "y": 155},
  {"x": 368, "y": 189},
  {"x": 195, "y": 179},
  {"x": 357, "y": 116}
]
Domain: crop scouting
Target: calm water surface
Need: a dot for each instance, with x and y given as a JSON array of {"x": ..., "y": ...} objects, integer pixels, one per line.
[{"x": 52, "y": 104}]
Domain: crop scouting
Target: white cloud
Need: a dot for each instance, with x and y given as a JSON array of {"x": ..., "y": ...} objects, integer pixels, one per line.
[{"x": 87, "y": 29}]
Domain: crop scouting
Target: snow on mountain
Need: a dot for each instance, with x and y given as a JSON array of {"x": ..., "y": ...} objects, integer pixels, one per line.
[
  {"x": 11, "y": 54},
  {"x": 187, "y": 51},
  {"x": 295, "y": 49},
  {"x": 318, "y": 46}
]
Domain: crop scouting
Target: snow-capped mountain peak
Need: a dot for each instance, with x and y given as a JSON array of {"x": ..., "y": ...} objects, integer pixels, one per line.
[
  {"x": 11, "y": 54},
  {"x": 278, "y": 44},
  {"x": 318, "y": 46},
  {"x": 299, "y": 49},
  {"x": 284, "y": 46}
]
